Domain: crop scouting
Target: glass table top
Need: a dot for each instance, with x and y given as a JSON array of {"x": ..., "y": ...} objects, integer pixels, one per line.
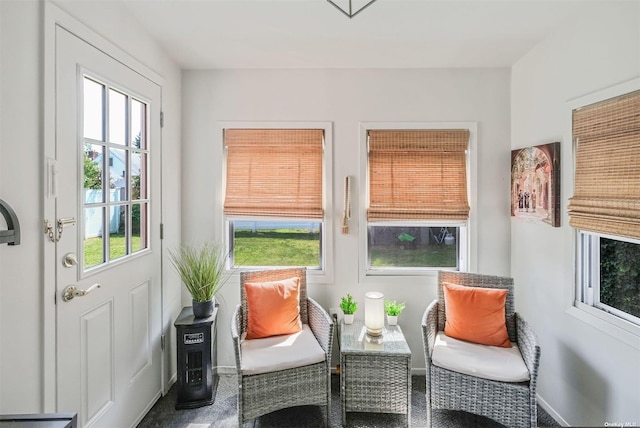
[{"x": 353, "y": 339}]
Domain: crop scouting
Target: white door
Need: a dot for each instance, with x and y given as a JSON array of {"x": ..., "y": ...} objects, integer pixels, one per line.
[{"x": 108, "y": 216}]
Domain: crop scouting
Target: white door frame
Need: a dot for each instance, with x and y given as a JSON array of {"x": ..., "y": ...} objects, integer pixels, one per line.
[{"x": 53, "y": 17}]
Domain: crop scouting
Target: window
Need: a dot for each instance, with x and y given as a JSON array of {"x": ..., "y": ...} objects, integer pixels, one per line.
[
  {"x": 418, "y": 210},
  {"x": 274, "y": 200},
  {"x": 605, "y": 206},
  {"x": 115, "y": 174},
  {"x": 611, "y": 275}
]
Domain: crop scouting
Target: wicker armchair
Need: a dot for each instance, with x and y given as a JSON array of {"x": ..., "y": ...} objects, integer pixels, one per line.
[
  {"x": 512, "y": 404},
  {"x": 259, "y": 394}
]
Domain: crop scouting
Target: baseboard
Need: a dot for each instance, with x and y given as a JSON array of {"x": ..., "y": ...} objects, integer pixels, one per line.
[
  {"x": 226, "y": 370},
  {"x": 147, "y": 409},
  {"x": 547, "y": 408},
  {"x": 173, "y": 379}
]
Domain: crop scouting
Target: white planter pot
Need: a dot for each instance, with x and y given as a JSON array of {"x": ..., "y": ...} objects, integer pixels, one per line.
[
  {"x": 392, "y": 319},
  {"x": 348, "y": 318}
]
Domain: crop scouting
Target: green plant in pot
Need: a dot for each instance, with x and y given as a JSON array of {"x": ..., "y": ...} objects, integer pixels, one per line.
[
  {"x": 393, "y": 308},
  {"x": 349, "y": 307},
  {"x": 201, "y": 269}
]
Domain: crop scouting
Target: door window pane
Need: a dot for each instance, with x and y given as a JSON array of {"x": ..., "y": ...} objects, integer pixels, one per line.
[
  {"x": 117, "y": 231},
  {"x": 118, "y": 166},
  {"x": 93, "y": 242},
  {"x": 93, "y": 110},
  {"x": 138, "y": 172},
  {"x": 117, "y": 117},
  {"x": 138, "y": 124},
  {"x": 138, "y": 227},
  {"x": 93, "y": 173}
]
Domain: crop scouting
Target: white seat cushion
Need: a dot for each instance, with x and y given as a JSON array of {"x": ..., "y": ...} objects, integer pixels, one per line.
[
  {"x": 277, "y": 353},
  {"x": 487, "y": 362}
]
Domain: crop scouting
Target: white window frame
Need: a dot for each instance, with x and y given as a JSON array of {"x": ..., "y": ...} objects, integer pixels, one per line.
[
  {"x": 317, "y": 276},
  {"x": 589, "y": 274},
  {"x": 586, "y": 305},
  {"x": 603, "y": 320},
  {"x": 468, "y": 230}
]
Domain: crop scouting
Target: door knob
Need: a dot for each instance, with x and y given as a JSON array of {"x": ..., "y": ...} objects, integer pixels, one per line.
[
  {"x": 69, "y": 260},
  {"x": 70, "y": 291}
]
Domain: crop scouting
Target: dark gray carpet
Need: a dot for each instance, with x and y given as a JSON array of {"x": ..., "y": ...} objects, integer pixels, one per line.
[{"x": 223, "y": 413}]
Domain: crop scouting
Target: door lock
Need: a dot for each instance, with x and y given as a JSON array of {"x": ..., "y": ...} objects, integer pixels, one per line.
[
  {"x": 69, "y": 260},
  {"x": 55, "y": 235}
]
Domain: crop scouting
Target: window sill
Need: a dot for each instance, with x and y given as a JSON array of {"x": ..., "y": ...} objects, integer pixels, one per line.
[
  {"x": 611, "y": 325},
  {"x": 313, "y": 276},
  {"x": 402, "y": 272}
]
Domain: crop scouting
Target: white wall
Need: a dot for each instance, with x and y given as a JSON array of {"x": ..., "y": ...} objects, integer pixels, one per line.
[
  {"x": 20, "y": 292},
  {"x": 21, "y": 136},
  {"x": 587, "y": 377},
  {"x": 347, "y": 97}
]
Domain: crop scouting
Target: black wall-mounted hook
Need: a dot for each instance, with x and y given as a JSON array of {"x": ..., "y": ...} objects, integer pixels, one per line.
[{"x": 12, "y": 235}]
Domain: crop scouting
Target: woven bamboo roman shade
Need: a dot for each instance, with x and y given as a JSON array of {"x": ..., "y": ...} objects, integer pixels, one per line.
[
  {"x": 274, "y": 173},
  {"x": 418, "y": 175},
  {"x": 606, "y": 195}
]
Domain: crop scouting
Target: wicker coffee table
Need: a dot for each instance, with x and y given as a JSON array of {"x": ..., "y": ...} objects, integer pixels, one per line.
[{"x": 374, "y": 377}]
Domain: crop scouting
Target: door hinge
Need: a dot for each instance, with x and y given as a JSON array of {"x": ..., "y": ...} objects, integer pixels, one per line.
[
  {"x": 162, "y": 340},
  {"x": 161, "y": 119},
  {"x": 161, "y": 230}
]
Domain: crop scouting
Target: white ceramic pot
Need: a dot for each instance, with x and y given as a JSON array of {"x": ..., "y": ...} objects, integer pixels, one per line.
[
  {"x": 348, "y": 318},
  {"x": 392, "y": 319}
]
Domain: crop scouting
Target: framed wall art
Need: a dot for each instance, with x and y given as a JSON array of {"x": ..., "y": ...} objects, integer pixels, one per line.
[{"x": 535, "y": 184}]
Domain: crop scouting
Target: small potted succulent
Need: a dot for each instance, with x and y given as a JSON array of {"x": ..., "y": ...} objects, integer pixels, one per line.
[
  {"x": 349, "y": 307},
  {"x": 392, "y": 308}
]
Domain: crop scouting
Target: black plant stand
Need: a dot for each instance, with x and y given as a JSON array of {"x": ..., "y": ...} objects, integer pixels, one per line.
[{"x": 197, "y": 353}]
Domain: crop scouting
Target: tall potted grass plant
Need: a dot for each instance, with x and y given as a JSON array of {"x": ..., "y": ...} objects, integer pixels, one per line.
[{"x": 202, "y": 270}]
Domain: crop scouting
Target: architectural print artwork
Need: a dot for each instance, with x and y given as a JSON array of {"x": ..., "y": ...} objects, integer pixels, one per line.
[{"x": 535, "y": 184}]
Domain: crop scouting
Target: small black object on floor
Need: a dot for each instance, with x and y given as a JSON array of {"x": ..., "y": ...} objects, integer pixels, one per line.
[{"x": 196, "y": 352}]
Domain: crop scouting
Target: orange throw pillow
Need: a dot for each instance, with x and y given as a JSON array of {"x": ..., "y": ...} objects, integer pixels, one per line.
[
  {"x": 273, "y": 308},
  {"x": 476, "y": 314}
]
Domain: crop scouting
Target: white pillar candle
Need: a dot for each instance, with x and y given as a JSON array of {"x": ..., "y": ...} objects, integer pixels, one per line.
[{"x": 374, "y": 312}]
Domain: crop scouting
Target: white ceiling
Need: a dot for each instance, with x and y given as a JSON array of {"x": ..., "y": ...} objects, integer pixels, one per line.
[{"x": 211, "y": 34}]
